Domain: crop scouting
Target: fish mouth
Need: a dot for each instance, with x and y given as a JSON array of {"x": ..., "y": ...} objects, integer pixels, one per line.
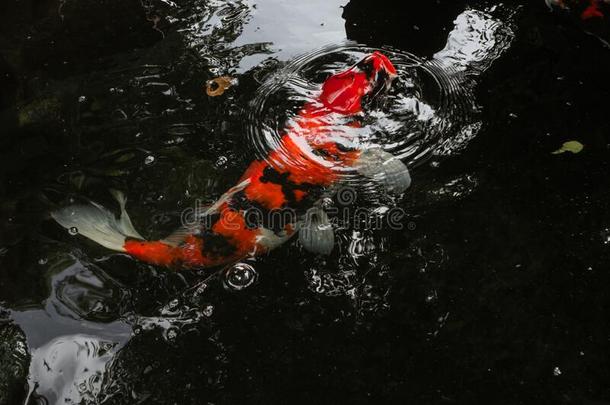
[
  {"x": 379, "y": 89},
  {"x": 380, "y": 73}
]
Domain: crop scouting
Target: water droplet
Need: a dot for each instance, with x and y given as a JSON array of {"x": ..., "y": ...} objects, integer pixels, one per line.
[
  {"x": 171, "y": 334},
  {"x": 208, "y": 310},
  {"x": 173, "y": 304},
  {"x": 606, "y": 236},
  {"x": 98, "y": 307},
  {"x": 239, "y": 276},
  {"x": 222, "y": 160},
  {"x": 73, "y": 231},
  {"x": 327, "y": 203},
  {"x": 149, "y": 160},
  {"x": 201, "y": 289}
]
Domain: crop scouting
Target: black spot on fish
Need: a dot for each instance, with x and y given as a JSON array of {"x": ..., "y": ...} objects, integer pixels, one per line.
[
  {"x": 312, "y": 191},
  {"x": 366, "y": 66},
  {"x": 256, "y": 215},
  {"x": 344, "y": 148},
  {"x": 215, "y": 245}
]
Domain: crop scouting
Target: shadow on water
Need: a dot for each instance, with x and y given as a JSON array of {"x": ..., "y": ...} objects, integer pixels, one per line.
[{"x": 494, "y": 290}]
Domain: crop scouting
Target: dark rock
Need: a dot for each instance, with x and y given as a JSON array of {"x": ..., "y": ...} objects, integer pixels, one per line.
[
  {"x": 151, "y": 369},
  {"x": 15, "y": 360},
  {"x": 421, "y": 27}
]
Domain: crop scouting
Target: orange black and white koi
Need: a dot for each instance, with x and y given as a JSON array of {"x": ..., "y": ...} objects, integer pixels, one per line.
[{"x": 225, "y": 233}]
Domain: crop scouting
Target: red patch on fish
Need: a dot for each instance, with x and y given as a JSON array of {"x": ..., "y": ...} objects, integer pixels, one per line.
[{"x": 158, "y": 253}]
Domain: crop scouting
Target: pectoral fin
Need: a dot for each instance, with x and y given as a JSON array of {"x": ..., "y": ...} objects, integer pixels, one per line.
[
  {"x": 316, "y": 232},
  {"x": 385, "y": 169}
]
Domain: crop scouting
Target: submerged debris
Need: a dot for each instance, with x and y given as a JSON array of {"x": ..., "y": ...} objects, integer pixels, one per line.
[
  {"x": 216, "y": 87},
  {"x": 570, "y": 146},
  {"x": 15, "y": 360}
]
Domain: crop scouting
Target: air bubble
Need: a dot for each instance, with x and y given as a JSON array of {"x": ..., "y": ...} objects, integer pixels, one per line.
[
  {"x": 222, "y": 161},
  {"x": 201, "y": 289},
  {"x": 326, "y": 203},
  {"x": 208, "y": 310},
  {"x": 239, "y": 276},
  {"x": 171, "y": 334},
  {"x": 605, "y": 234},
  {"x": 173, "y": 304}
]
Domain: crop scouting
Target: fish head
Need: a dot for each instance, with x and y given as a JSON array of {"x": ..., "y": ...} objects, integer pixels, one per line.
[{"x": 369, "y": 79}]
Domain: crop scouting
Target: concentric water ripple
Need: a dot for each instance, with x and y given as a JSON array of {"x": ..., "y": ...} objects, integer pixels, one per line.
[{"x": 429, "y": 110}]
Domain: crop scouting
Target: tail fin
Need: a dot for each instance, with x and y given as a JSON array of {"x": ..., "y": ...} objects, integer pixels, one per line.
[
  {"x": 476, "y": 41},
  {"x": 98, "y": 224}
]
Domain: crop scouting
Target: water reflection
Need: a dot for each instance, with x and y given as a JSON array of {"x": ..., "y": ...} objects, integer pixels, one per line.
[
  {"x": 86, "y": 294},
  {"x": 292, "y": 28},
  {"x": 69, "y": 369},
  {"x": 240, "y": 34}
]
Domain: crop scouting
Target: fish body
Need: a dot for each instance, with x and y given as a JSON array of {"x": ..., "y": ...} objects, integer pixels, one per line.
[{"x": 264, "y": 209}]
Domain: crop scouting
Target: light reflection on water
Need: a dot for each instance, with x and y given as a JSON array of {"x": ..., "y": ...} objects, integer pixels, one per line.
[{"x": 292, "y": 28}]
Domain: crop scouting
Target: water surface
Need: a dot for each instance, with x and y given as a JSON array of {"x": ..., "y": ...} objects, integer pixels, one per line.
[{"x": 494, "y": 290}]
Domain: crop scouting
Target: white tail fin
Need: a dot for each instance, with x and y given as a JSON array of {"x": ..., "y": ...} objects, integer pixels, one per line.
[{"x": 98, "y": 224}]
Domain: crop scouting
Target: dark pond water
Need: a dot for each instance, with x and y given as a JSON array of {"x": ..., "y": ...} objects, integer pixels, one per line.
[{"x": 494, "y": 290}]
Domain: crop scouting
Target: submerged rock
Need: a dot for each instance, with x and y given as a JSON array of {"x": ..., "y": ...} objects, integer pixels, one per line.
[
  {"x": 149, "y": 369},
  {"x": 40, "y": 111},
  {"x": 15, "y": 360}
]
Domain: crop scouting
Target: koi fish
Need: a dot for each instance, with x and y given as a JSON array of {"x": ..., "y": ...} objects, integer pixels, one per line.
[
  {"x": 592, "y": 9},
  {"x": 289, "y": 180}
]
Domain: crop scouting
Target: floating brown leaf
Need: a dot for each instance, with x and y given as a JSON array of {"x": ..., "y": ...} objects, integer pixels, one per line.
[{"x": 216, "y": 87}]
